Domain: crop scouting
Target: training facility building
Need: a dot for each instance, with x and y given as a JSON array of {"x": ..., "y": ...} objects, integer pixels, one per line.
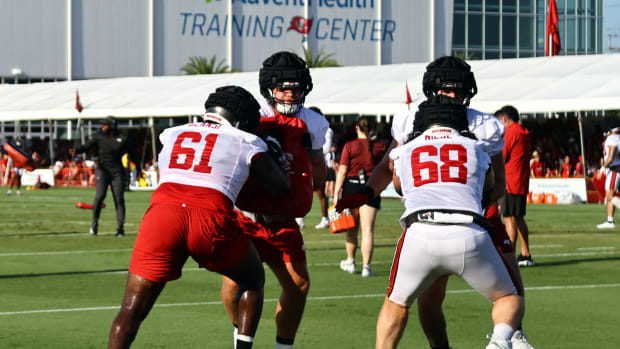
[{"x": 58, "y": 40}]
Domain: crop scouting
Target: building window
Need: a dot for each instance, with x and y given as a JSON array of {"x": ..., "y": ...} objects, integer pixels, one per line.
[
  {"x": 475, "y": 5},
  {"x": 491, "y": 31},
  {"x": 526, "y": 6},
  {"x": 492, "y": 6},
  {"x": 459, "y": 5},
  {"x": 509, "y": 32},
  {"x": 458, "y": 31},
  {"x": 592, "y": 35},
  {"x": 491, "y": 54},
  {"x": 526, "y": 34},
  {"x": 570, "y": 35},
  {"x": 540, "y": 32},
  {"x": 509, "y": 6},
  {"x": 582, "y": 35},
  {"x": 560, "y": 5},
  {"x": 474, "y": 31}
]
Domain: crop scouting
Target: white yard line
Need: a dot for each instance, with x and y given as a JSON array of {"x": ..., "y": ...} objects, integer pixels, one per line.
[{"x": 374, "y": 295}]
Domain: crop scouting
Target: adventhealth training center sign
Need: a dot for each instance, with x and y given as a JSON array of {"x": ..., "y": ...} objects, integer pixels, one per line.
[{"x": 276, "y": 25}]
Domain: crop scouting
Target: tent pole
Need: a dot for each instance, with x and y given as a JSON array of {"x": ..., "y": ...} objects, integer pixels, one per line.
[
  {"x": 51, "y": 125},
  {"x": 583, "y": 153},
  {"x": 153, "y": 148}
]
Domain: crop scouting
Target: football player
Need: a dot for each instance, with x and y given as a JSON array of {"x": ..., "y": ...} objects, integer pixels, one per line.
[
  {"x": 611, "y": 168},
  {"x": 452, "y": 77},
  {"x": 202, "y": 169},
  {"x": 441, "y": 174},
  {"x": 284, "y": 83}
]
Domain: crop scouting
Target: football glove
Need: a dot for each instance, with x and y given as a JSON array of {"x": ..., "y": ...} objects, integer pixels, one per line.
[
  {"x": 274, "y": 149},
  {"x": 356, "y": 199}
]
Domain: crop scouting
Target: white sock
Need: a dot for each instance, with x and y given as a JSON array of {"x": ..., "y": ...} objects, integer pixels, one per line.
[
  {"x": 610, "y": 219},
  {"x": 503, "y": 331},
  {"x": 350, "y": 260},
  {"x": 235, "y": 335},
  {"x": 244, "y": 338},
  {"x": 283, "y": 346},
  {"x": 324, "y": 219}
]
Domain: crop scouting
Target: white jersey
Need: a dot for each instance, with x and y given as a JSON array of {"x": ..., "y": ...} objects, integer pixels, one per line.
[
  {"x": 316, "y": 123},
  {"x": 442, "y": 170},
  {"x": 484, "y": 126},
  {"x": 612, "y": 141},
  {"x": 208, "y": 155}
]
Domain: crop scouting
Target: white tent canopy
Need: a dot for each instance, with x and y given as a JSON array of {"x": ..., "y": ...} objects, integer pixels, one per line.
[{"x": 533, "y": 85}]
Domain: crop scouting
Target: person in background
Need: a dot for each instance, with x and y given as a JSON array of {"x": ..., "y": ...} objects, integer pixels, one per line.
[
  {"x": 611, "y": 168},
  {"x": 566, "y": 167},
  {"x": 109, "y": 145},
  {"x": 320, "y": 189},
  {"x": 356, "y": 165},
  {"x": 536, "y": 166},
  {"x": 15, "y": 175},
  {"x": 517, "y": 150},
  {"x": 579, "y": 167}
]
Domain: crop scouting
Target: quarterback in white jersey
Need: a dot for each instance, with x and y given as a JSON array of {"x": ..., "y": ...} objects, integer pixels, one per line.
[
  {"x": 202, "y": 167},
  {"x": 611, "y": 169},
  {"x": 442, "y": 174}
]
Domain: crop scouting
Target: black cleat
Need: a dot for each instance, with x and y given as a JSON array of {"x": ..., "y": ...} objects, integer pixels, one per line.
[
  {"x": 120, "y": 232},
  {"x": 94, "y": 229}
]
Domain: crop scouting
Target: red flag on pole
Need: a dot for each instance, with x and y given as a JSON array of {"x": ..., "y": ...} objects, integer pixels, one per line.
[
  {"x": 552, "y": 30},
  {"x": 78, "y": 105},
  {"x": 409, "y": 100}
]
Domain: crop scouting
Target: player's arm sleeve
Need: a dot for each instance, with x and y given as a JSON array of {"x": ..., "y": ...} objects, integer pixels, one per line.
[
  {"x": 90, "y": 144},
  {"x": 400, "y": 126},
  {"x": 393, "y": 157},
  {"x": 490, "y": 130}
]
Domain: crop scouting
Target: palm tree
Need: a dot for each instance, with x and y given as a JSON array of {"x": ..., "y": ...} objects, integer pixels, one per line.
[
  {"x": 203, "y": 65},
  {"x": 321, "y": 60}
]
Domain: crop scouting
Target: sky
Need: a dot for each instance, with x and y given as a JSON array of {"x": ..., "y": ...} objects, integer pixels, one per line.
[{"x": 612, "y": 23}]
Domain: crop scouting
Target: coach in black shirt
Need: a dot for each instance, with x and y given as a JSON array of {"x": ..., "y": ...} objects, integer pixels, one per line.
[{"x": 110, "y": 146}]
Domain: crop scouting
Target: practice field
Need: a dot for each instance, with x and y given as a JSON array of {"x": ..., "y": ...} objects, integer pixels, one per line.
[{"x": 61, "y": 287}]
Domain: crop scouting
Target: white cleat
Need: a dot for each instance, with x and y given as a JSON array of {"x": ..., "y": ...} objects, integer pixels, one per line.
[
  {"x": 347, "y": 266},
  {"x": 519, "y": 341},
  {"x": 499, "y": 343},
  {"x": 300, "y": 222},
  {"x": 367, "y": 272},
  {"x": 606, "y": 225},
  {"x": 616, "y": 201},
  {"x": 324, "y": 224}
]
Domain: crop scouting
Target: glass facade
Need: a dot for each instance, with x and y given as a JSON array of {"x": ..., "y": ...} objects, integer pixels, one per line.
[{"x": 492, "y": 29}]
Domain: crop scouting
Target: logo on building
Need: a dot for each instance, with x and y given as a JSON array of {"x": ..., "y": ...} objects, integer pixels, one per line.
[{"x": 300, "y": 25}]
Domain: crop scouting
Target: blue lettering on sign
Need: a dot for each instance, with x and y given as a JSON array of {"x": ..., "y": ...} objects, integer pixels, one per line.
[
  {"x": 336, "y": 29},
  {"x": 199, "y": 21}
]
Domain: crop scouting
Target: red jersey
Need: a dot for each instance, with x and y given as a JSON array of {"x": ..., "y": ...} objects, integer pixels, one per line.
[
  {"x": 537, "y": 168},
  {"x": 517, "y": 155},
  {"x": 254, "y": 197},
  {"x": 356, "y": 155},
  {"x": 579, "y": 169},
  {"x": 566, "y": 167}
]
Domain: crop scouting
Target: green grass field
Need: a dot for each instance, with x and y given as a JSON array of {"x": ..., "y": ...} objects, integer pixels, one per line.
[{"x": 61, "y": 287}]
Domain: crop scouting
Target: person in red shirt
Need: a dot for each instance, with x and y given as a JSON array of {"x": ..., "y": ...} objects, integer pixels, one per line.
[
  {"x": 579, "y": 167},
  {"x": 512, "y": 206},
  {"x": 566, "y": 167},
  {"x": 536, "y": 166},
  {"x": 356, "y": 164}
]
